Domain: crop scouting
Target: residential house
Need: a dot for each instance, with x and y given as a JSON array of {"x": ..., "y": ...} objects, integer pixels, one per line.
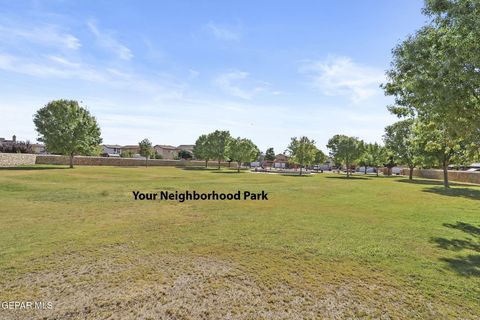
[
  {"x": 166, "y": 151},
  {"x": 186, "y": 147},
  {"x": 38, "y": 148},
  {"x": 280, "y": 161},
  {"x": 111, "y": 150},
  {"x": 134, "y": 149},
  {"x": 4, "y": 141}
]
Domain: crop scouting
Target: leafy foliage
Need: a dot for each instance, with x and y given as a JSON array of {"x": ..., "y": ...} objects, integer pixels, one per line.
[
  {"x": 145, "y": 149},
  {"x": 67, "y": 128},
  {"x": 320, "y": 157},
  {"x": 242, "y": 150},
  {"x": 201, "y": 150},
  {"x": 184, "y": 154},
  {"x": 302, "y": 151},
  {"x": 270, "y": 154},
  {"x": 345, "y": 150},
  {"x": 16, "y": 147},
  {"x": 400, "y": 140},
  {"x": 218, "y": 144},
  {"x": 435, "y": 77}
]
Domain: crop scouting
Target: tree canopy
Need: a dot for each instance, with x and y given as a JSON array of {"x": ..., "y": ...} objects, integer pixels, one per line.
[
  {"x": 400, "y": 139},
  {"x": 435, "y": 77},
  {"x": 218, "y": 144},
  {"x": 145, "y": 149},
  {"x": 302, "y": 151},
  {"x": 202, "y": 150},
  {"x": 242, "y": 150},
  {"x": 270, "y": 154},
  {"x": 67, "y": 128},
  {"x": 344, "y": 150}
]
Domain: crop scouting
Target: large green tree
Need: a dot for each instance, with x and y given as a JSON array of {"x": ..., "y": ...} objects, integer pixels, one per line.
[
  {"x": 400, "y": 139},
  {"x": 202, "y": 150},
  {"x": 242, "y": 150},
  {"x": 365, "y": 158},
  {"x": 218, "y": 142},
  {"x": 67, "y": 128},
  {"x": 146, "y": 149},
  {"x": 345, "y": 150},
  {"x": 440, "y": 149},
  {"x": 435, "y": 76},
  {"x": 302, "y": 151},
  {"x": 377, "y": 155}
]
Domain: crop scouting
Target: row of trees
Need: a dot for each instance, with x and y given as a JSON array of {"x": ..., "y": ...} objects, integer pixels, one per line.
[
  {"x": 435, "y": 80},
  {"x": 66, "y": 128},
  {"x": 221, "y": 146}
]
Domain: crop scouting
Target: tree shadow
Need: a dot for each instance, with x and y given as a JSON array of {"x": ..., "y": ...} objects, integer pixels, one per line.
[
  {"x": 433, "y": 182},
  {"x": 468, "y": 265},
  {"x": 198, "y": 168},
  {"x": 349, "y": 178},
  {"x": 26, "y": 168},
  {"x": 468, "y": 193},
  {"x": 465, "y": 266},
  {"x": 304, "y": 175},
  {"x": 227, "y": 172}
]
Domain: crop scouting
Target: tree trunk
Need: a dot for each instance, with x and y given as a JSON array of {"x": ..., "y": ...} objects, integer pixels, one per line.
[
  {"x": 348, "y": 170},
  {"x": 365, "y": 169},
  {"x": 238, "y": 167},
  {"x": 146, "y": 161},
  {"x": 376, "y": 170},
  {"x": 71, "y": 160},
  {"x": 206, "y": 163},
  {"x": 300, "y": 170},
  {"x": 445, "y": 174},
  {"x": 219, "y": 164},
  {"x": 410, "y": 174}
]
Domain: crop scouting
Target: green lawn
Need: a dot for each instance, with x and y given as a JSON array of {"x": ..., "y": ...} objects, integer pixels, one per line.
[{"x": 322, "y": 246}]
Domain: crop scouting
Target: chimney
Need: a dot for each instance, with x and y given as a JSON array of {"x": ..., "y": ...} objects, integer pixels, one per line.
[{"x": 14, "y": 138}]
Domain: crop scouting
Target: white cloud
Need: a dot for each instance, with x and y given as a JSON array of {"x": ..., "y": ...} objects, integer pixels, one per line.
[
  {"x": 59, "y": 67},
  {"x": 240, "y": 85},
  {"x": 107, "y": 40},
  {"x": 340, "y": 76},
  {"x": 224, "y": 32},
  {"x": 46, "y": 35}
]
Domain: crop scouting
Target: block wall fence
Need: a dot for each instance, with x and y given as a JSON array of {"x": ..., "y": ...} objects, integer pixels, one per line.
[
  {"x": 453, "y": 175},
  {"x": 17, "y": 159}
]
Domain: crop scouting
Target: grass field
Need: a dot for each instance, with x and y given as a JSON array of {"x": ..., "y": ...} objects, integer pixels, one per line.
[{"x": 322, "y": 246}]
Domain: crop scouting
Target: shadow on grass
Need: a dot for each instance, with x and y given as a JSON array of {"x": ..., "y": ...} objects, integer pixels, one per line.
[
  {"x": 433, "y": 182},
  {"x": 350, "y": 178},
  {"x": 468, "y": 265},
  {"x": 296, "y": 175},
  {"x": 227, "y": 171},
  {"x": 32, "y": 168},
  {"x": 198, "y": 168},
  {"x": 468, "y": 193}
]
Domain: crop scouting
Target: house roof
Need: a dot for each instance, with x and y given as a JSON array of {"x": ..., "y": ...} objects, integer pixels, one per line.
[
  {"x": 131, "y": 146},
  {"x": 186, "y": 146},
  {"x": 165, "y": 146},
  {"x": 112, "y": 146}
]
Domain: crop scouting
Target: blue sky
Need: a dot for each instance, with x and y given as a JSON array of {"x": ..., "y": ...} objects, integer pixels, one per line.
[{"x": 172, "y": 70}]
